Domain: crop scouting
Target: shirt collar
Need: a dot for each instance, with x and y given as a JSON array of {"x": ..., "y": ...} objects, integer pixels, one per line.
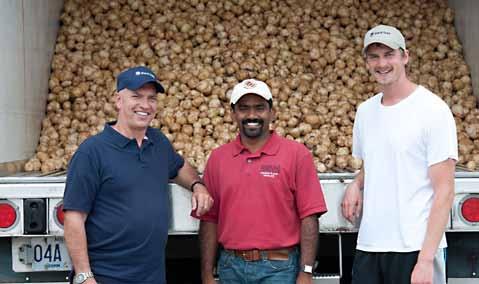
[
  {"x": 270, "y": 148},
  {"x": 122, "y": 141}
]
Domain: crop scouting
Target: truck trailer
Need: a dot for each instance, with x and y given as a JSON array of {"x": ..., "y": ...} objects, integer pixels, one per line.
[{"x": 31, "y": 217}]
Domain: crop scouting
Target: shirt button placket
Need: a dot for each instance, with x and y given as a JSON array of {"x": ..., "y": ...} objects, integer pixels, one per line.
[
  {"x": 249, "y": 162},
  {"x": 141, "y": 156}
]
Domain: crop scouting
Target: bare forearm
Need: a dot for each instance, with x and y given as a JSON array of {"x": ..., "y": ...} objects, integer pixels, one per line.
[
  {"x": 309, "y": 239},
  {"x": 351, "y": 205},
  {"x": 442, "y": 179},
  {"x": 76, "y": 242},
  {"x": 359, "y": 179},
  {"x": 438, "y": 218},
  {"x": 208, "y": 247},
  {"x": 186, "y": 176}
]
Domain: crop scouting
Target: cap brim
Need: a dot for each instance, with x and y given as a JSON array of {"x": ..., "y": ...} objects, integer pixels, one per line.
[
  {"x": 242, "y": 94},
  {"x": 158, "y": 86},
  {"x": 388, "y": 44}
]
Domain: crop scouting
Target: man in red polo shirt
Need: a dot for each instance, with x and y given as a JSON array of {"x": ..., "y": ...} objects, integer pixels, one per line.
[{"x": 267, "y": 200}]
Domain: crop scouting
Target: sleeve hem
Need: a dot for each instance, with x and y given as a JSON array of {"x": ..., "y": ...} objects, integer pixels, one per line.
[
  {"x": 76, "y": 209},
  {"x": 320, "y": 210},
  {"x": 178, "y": 167},
  {"x": 442, "y": 159}
]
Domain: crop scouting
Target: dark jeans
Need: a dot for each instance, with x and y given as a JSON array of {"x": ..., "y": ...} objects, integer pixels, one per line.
[
  {"x": 392, "y": 267},
  {"x": 383, "y": 267},
  {"x": 235, "y": 270}
]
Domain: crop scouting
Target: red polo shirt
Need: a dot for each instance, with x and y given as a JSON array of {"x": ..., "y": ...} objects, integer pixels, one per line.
[{"x": 260, "y": 198}]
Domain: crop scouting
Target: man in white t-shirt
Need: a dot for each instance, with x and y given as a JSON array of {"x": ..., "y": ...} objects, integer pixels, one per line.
[{"x": 406, "y": 137}]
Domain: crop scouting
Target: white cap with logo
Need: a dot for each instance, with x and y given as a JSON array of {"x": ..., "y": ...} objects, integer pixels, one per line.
[
  {"x": 386, "y": 35},
  {"x": 250, "y": 86}
]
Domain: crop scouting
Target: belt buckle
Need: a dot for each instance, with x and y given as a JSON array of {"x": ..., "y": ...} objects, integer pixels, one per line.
[{"x": 248, "y": 255}]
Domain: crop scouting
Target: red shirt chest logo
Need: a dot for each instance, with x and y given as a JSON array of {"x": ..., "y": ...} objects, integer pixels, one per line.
[{"x": 270, "y": 171}]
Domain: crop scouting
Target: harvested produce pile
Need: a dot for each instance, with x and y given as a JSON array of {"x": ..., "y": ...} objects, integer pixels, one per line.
[{"x": 309, "y": 52}]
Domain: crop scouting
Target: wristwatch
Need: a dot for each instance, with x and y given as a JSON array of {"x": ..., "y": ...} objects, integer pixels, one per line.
[
  {"x": 307, "y": 269},
  {"x": 82, "y": 277}
]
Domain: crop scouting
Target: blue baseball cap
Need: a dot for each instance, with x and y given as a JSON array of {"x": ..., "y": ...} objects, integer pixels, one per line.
[{"x": 135, "y": 77}]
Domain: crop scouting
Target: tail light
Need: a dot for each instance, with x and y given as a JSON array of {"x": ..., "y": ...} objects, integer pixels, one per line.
[
  {"x": 470, "y": 209},
  {"x": 55, "y": 216},
  {"x": 8, "y": 214},
  {"x": 59, "y": 215}
]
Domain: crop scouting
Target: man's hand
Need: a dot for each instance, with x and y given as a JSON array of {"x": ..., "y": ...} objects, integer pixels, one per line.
[
  {"x": 423, "y": 272},
  {"x": 352, "y": 202},
  {"x": 304, "y": 278},
  {"x": 90, "y": 281},
  {"x": 209, "y": 279},
  {"x": 201, "y": 199}
]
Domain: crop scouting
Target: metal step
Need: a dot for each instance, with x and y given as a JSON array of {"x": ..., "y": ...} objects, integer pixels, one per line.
[
  {"x": 462, "y": 280},
  {"x": 326, "y": 279}
]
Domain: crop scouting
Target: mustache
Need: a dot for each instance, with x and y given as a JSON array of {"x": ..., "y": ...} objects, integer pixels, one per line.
[{"x": 256, "y": 120}]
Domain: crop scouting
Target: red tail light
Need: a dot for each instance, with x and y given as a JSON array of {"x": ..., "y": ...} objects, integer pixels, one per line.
[
  {"x": 8, "y": 215},
  {"x": 59, "y": 213},
  {"x": 470, "y": 209}
]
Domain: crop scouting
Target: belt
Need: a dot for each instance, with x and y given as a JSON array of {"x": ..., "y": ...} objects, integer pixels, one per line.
[{"x": 256, "y": 254}]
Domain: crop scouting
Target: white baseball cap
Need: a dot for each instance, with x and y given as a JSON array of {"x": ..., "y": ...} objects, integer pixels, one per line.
[
  {"x": 386, "y": 35},
  {"x": 250, "y": 86}
]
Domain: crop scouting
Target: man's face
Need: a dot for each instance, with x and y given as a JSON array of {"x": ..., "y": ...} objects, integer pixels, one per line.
[
  {"x": 386, "y": 64},
  {"x": 136, "y": 109},
  {"x": 253, "y": 115}
]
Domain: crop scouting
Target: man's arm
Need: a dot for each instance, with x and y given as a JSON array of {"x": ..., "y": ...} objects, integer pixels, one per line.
[
  {"x": 442, "y": 178},
  {"x": 75, "y": 239},
  {"x": 208, "y": 247},
  {"x": 186, "y": 176},
  {"x": 353, "y": 198},
  {"x": 309, "y": 245},
  {"x": 201, "y": 199}
]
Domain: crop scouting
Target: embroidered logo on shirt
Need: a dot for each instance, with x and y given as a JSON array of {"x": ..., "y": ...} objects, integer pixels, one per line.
[{"x": 270, "y": 171}]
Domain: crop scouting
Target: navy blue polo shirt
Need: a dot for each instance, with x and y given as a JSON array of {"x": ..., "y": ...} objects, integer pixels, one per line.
[{"x": 123, "y": 188}]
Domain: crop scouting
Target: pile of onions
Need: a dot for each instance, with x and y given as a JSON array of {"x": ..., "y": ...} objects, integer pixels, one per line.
[{"x": 309, "y": 53}]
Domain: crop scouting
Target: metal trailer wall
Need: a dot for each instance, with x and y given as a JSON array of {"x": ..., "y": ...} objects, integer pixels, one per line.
[
  {"x": 467, "y": 27},
  {"x": 28, "y": 30}
]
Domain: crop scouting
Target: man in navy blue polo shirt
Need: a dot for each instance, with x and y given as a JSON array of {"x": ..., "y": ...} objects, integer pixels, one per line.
[{"x": 116, "y": 198}]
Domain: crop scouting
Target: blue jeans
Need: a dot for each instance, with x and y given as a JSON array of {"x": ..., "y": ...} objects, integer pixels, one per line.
[{"x": 235, "y": 270}]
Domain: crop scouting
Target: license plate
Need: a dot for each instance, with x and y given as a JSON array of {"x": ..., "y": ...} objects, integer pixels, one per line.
[{"x": 49, "y": 254}]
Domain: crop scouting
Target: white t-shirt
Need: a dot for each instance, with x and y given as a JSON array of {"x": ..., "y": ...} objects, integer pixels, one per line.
[{"x": 397, "y": 144}]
